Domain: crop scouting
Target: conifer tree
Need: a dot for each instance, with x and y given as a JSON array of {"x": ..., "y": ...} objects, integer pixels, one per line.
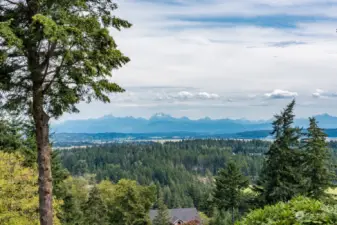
[
  {"x": 229, "y": 185},
  {"x": 163, "y": 217},
  {"x": 53, "y": 55},
  {"x": 316, "y": 168},
  {"x": 281, "y": 177},
  {"x": 94, "y": 210}
]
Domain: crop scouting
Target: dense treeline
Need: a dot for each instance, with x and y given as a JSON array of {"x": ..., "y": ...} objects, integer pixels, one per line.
[{"x": 184, "y": 170}]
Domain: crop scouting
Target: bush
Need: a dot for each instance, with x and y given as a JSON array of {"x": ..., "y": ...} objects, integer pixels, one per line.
[
  {"x": 19, "y": 199},
  {"x": 300, "y": 210}
]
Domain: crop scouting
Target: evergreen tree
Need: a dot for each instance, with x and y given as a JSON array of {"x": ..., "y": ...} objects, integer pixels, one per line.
[
  {"x": 163, "y": 217},
  {"x": 53, "y": 55},
  {"x": 94, "y": 210},
  {"x": 316, "y": 168},
  {"x": 72, "y": 212},
  {"x": 229, "y": 185},
  {"x": 59, "y": 175},
  {"x": 128, "y": 202},
  {"x": 220, "y": 218},
  {"x": 281, "y": 177},
  {"x": 10, "y": 138}
]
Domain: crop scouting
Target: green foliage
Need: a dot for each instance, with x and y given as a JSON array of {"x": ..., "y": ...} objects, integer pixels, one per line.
[
  {"x": 75, "y": 195},
  {"x": 163, "y": 217},
  {"x": 128, "y": 203},
  {"x": 204, "y": 218},
  {"x": 19, "y": 192},
  {"x": 221, "y": 218},
  {"x": 281, "y": 177},
  {"x": 18, "y": 195},
  {"x": 316, "y": 165},
  {"x": 14, "y": 137},
  {"x": 86, "y": 202},
  {"x": 229, "y": 185},
  {"x": 183, "y": 171},
  {"x": 60, "y": 174},
  {"x": 18, "y": 136},
  {"x": 94, "y": 210},
  {"x": 300, "y": 210},
  {"x": 60, "y": 50},
  {"x": 53, "y": 55},
  {"x": 293, "y": 166},
  {"x": 10, "y": 138},
  {"x": 80, "y": 168}
]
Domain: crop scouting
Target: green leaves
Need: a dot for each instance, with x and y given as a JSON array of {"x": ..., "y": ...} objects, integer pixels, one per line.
[
  {"x": 280, "y": 177},
  {"x": 229, "y": 186},
  {"x": 316, "y": 167},
  {"x": 69, "y": 53},
  {"x": 50, "y": 29},
  {"x": 162, "y": 217},
  {"x": 128, "y": 203},
  {"x": 19, "y": 191},
  {"x": 300, "y": 210},
  {"x": 9, "y": 36},
  {"x": 95, "y": 211},
  {"x": 296, "y": 163}
]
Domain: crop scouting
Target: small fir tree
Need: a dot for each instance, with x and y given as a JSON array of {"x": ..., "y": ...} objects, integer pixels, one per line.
[
  {"x": 162, "y": 217},
  {"x": 95, "y": 212},
  {"x": 316, "y": 168},
  {"x": 229, "y": 183}
]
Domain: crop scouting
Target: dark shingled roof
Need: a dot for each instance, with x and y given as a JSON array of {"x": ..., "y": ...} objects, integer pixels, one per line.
[{"x": 186, "y": 214}]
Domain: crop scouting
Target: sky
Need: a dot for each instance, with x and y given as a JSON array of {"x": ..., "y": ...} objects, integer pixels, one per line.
[{"x": 224, "y": 59}]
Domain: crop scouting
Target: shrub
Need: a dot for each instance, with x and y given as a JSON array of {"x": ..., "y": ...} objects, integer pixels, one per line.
[{"x": 300, "y": 210}]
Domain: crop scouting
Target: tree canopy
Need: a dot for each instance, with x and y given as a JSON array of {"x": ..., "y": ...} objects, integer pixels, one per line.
[
  {"x": 281, "y": 177},
  {"x": 54, "y": 54},
  {"x": 300, "y": 210},
  {"x": 19, "y": 192},
  {"x": 317, "y": 168},
  {"x": 61, "y": 50}
]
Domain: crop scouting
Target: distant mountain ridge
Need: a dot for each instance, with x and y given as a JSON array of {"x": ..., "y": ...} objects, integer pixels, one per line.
[{"x": 164, "y": 123}]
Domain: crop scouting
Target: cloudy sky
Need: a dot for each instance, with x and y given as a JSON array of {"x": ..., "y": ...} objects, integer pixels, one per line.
[{"x": 224, "y": 58}]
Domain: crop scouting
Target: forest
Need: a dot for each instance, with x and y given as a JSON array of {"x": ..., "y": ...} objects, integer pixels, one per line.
[
  {"x": 183, "y": 170},
  {"x": 57, "y": 54},
  {"x": 228, "y": 181},
  {"x": 186, "y": 173}
]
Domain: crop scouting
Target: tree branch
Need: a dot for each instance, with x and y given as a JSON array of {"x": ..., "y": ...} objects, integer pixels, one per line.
[
  {"x": 11, "y": 2},
  {"x": 57, "y": 72}
]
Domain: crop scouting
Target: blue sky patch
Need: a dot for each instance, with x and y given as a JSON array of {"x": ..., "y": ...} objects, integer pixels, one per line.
[
  {"x": 275, "y": 21},
  {"x": 283, "y": 44}
]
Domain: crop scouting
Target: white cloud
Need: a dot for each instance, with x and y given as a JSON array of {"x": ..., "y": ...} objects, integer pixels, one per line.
[
  {"x": 205, "y": 95},
  {"x": 319, "y": 93},
  {"x": 184, "y": 95},
  {"x": 232, "y": 60},
  {"x": 280, "y": 94}
]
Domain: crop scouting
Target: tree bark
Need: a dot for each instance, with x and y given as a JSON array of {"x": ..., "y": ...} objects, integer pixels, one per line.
[{"x": 41, "y": 120}]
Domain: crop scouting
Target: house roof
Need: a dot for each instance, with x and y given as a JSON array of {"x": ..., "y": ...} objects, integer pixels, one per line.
[{"x": 184, "y": 214}]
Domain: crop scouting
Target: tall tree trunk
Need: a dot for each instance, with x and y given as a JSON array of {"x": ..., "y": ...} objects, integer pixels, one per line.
[{"x": 44, "y": 159}]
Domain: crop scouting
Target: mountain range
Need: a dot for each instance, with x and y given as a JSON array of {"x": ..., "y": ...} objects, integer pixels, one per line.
[{"x": 163, "y": 123}]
